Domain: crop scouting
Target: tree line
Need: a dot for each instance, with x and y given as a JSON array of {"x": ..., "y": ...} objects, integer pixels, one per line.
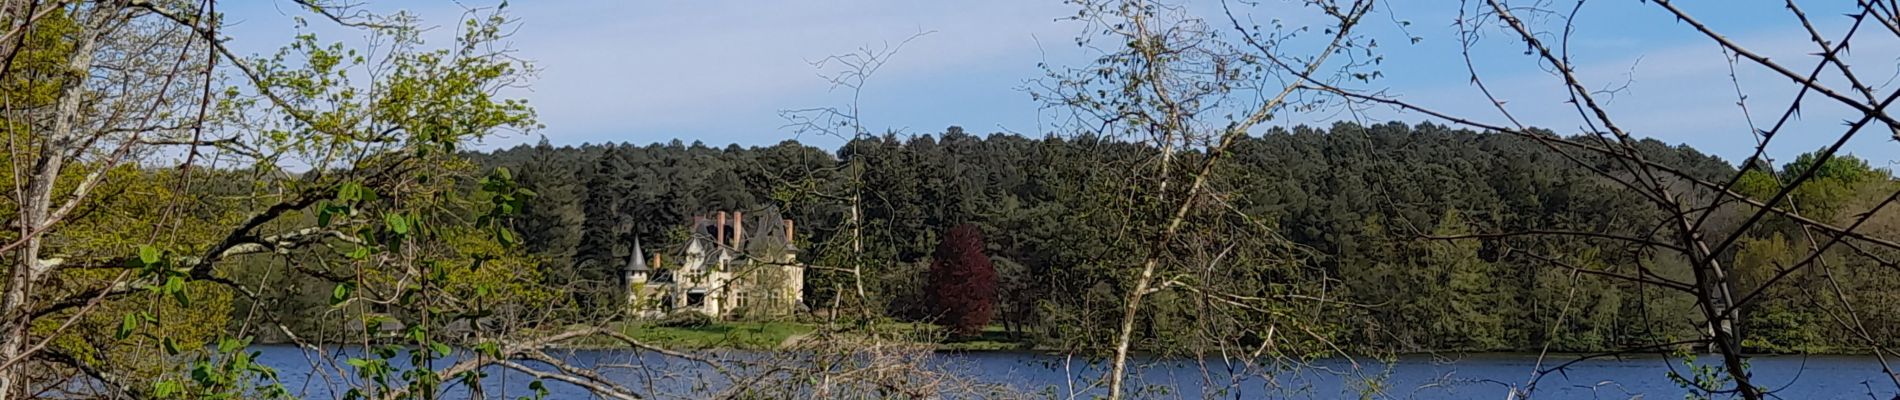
[
  {"x": 1386, "y": 223},
  {"x": 174, "y": 200}
]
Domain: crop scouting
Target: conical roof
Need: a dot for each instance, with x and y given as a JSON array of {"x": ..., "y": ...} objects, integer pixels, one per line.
[{"x": 639, "y": 258}]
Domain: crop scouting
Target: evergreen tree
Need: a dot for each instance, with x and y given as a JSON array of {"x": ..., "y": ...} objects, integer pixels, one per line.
[
  {"x": 551, "y": 225},
  {"x": 1358, "y": 197},
  {"x": 1466, "y": 289}
]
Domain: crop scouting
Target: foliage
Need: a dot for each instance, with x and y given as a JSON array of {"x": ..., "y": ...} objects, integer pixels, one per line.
[
  {"x": 1465, "y": 288},
  {"x": 1833, "y": 184},
  {"x": 346, "y": 207},
  {"x": 317, "y": 189},
  {"x": 1363, "y": 199},
  {"x": 962, "y": 286}
]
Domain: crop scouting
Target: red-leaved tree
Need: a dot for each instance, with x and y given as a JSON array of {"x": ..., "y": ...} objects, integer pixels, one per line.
[{"x": 962, "y": 284}]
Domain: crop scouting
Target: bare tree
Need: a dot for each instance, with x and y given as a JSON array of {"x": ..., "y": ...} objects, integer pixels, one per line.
[
  {"x": 1689, "y": 227},
  {"x": 1167, "y": 78}
]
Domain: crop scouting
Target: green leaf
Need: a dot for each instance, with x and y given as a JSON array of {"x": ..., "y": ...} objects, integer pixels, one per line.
[
  {"x": 149, "y": 255},
  {"x": 324, "y": 214},
  {"x": 441, "y": 349},
  {"x": 228, "y": 345},
  {"x": 396, "y": 223},
  {"x": 125, "y": 328},
  {"x": 349, "y": 192},
  {"x": 358, "y": 253},
  {"x": 341, "y": 293},
  {"x": 170, "y": 346},
  {"x": 202, "y": 374},
  {"x": 176, "y": 287},
  {"x": 164, "y": 388}
]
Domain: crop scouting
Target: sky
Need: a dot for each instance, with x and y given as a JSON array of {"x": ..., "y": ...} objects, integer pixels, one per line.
[{"x": 721, "y": 72}]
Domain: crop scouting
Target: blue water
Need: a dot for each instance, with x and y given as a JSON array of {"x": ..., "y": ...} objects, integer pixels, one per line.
[{"x": 1486, "y": 376}]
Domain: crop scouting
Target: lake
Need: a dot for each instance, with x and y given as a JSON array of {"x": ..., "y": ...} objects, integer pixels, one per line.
[{"x": 1478, "y": 376}]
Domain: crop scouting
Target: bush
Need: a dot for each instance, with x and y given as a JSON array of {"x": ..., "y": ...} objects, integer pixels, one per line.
[{"x": 685, "y": 319}]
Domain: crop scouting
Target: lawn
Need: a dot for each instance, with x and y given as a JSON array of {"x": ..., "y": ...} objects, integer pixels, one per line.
[
  {"x": 729, "y": 335},
  {"x": 772, "y": 335},
  {"x": 993, "y": 337}
]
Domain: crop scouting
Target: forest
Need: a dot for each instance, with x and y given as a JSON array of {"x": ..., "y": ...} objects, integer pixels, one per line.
[
  {"x": 321, "y": 211},
  {"x": 1382, "y": 219}
]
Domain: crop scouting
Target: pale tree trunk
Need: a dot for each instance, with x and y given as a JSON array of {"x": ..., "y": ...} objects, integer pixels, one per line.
[
  {"x": 35, "y": 212},
  {"x": 857, "y": 244}
]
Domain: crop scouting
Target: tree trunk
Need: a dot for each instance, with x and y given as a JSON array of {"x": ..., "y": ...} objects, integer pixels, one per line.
[{"x": 35, "y": 204}]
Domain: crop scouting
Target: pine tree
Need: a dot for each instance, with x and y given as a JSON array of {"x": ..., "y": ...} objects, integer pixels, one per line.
[
  {"x": 1469, "y": 295},
  {"x": 551, "y": 227}
]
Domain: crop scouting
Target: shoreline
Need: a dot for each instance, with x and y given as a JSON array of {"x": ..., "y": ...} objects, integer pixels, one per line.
[
  {"x": 1445, "y": 357},
  {"x": 779, "y": 335}
]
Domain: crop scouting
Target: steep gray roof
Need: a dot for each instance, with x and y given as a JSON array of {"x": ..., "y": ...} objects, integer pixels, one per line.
[
  {"x": 767, "y": 234},
  {"x": 764, "y": 233},
  {"x": 639, "y": 258}
]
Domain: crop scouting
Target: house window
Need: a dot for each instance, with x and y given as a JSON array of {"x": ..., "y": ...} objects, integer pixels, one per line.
[{"x": 696, "y": 299}]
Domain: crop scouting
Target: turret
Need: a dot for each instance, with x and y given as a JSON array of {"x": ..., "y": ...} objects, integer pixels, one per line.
[{"x": 637, "y": 270}]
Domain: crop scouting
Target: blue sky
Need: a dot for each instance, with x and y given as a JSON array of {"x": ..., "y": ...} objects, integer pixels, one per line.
[{"x": 720, "y": 71}]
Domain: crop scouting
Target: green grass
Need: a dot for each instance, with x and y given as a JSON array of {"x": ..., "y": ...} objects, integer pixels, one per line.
[
  {"x": 772, "y": 335},
  {"x": 993, "y": 337},
  {"x": 724, "y": 335}
]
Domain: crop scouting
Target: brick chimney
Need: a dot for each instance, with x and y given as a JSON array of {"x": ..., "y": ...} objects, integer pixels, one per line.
[
  {"x": 738, "y": 229},
  {"x": 721, "y": 228}
]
